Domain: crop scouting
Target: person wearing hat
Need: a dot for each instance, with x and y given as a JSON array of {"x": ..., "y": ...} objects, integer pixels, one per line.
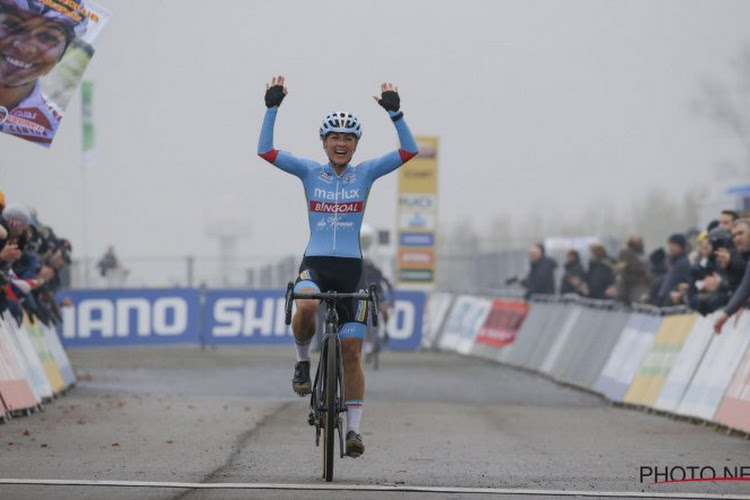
[{"x": 679, "y": 271}]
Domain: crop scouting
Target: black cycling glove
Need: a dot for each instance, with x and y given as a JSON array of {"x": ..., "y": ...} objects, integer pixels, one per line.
[
  {"x": 390, "y": 100},
  {"x": 274, "y": 96}
]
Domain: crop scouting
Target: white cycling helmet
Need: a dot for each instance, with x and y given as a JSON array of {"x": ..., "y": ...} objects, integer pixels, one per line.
[
  {"x": 341, "y": 122},
  {"x": 74, "y": 18}
]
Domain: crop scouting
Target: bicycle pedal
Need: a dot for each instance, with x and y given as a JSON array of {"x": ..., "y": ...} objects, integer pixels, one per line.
[{"x": 311, "y": 419}]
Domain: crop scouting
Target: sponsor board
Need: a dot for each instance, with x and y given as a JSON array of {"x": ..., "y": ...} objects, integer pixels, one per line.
[
  {"x": 416, "y": 202},
  {"x": 502, "y": 323},
  {"x": 463, "y": 323},
  {"x": 143, "y": 317},
  {"x": 417, "y": 220},
  {"x": 416, "y": 275},
  {"x": 127, "y": 317},
  {"x": 417, "y": 213},
  {"x": 417, "y": 258},
  {"x": 417, "y": 239}
]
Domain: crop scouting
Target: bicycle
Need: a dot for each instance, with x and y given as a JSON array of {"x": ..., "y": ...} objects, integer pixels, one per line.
[{"x": 327, "y": 400}]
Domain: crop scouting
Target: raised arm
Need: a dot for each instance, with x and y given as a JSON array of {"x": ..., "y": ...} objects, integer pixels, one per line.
[
  {"x": 275, "y": 93},
  {"x": 738, "y": 300},
  {"x": 391, "y": 102}
]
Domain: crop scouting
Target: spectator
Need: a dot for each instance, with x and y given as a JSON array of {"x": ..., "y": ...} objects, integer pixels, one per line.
[
  {"x": 600, "y": 278},
  {"x": 732, "y": 251},
  {"x": 726, "y": 218},
  {"x": 111, "y": 269},
  {"x": 632, "y": 275},
  {"x": 679, "y": 272},
  {"x": 574, "y": 276},
  {"x": 541, "y": 277},
  {"x": 740, "y": 296},
  {"x": 31, "y": 258},
  {"x": 658, "y": 270},
  {"x": 707, "y": 290}
]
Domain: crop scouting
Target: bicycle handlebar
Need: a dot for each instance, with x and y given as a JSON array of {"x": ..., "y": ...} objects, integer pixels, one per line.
[{"x": 371, "y": 295}]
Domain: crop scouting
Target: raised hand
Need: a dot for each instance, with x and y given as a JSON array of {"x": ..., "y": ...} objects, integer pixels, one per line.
[
  {"x": 275, "y": 92},
  {"x": 389, "y": 98}
]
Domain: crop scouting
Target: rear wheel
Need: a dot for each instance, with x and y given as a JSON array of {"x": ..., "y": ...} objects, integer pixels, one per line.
[{"x": 330, "y": 418}]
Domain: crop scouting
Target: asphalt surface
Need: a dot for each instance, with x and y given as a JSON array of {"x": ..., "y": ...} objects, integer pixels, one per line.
[{"x": 434, "y": 420}]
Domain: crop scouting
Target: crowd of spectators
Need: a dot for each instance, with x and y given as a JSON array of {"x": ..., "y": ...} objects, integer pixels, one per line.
[
  {"x": 34, "y": 265},
  {"x": 707, "y": 271}
]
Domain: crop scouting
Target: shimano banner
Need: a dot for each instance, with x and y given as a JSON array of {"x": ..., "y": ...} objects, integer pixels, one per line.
[
  {"x": 137, "y": 317},
  {"x": 129, "y": 317}
]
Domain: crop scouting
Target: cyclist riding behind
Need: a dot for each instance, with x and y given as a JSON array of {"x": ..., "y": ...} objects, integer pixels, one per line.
[{"x": 336, "y": 193}]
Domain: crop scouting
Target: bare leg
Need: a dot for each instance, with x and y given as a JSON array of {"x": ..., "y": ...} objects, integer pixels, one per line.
[
  {"x": 354, "y": 376},
  {"x": 303, "y": 322}
]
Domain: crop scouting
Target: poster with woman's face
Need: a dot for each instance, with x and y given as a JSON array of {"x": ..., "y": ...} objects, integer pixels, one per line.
[{"x": 45, "y": 47}]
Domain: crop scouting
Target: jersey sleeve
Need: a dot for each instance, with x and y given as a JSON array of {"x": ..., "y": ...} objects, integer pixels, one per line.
[
  {"x": 391, "y": 161},
  {"x": 281, "y": 159}
]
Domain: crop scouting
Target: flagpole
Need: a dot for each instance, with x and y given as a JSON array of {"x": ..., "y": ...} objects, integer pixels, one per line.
[{"x": 87, "y": 146}]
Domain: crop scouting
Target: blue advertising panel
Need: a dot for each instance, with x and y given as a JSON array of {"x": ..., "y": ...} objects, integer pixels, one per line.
[
  {"x": 246, "y": 317},
  {"x": 257, "y": 317},
  {"x": 131, "y": 317},
  {"x": 145, "y": 317}
]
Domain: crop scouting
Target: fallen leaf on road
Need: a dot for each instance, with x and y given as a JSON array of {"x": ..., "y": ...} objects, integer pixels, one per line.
[
  {"x": 115, "y": 445},
  {"x": 26, "y": 432},
  {"x": 43, "y": 445},
  {"x": 81, "y": 421},
  {"x": 170, "y": 441}
]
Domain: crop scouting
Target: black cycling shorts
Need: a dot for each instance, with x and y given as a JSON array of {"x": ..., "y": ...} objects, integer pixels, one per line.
[{"x": 337, "y": 274}]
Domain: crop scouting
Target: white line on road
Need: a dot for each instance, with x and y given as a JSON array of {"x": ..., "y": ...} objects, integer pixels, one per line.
[{"x": 368, "y": 487}]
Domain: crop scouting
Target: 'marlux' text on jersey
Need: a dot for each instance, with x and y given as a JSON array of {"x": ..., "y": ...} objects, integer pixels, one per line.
[{"x": 342, "y": 194}]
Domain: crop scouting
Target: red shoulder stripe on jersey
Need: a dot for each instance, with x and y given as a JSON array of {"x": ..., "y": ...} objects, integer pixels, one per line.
[
  {"x": 405, "y": 155},
  {"x": 269, "y": 156}
]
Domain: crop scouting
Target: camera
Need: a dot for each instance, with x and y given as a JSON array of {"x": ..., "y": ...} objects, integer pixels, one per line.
[{"x": 720, "y": 238}]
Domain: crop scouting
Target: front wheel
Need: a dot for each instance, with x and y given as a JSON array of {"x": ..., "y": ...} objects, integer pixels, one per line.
[{"x": 330, "y": 418}]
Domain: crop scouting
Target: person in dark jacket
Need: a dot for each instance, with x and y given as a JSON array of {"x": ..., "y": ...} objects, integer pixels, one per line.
[
  {"x": 541, "y": 277},
  {"x": 574, "y": 276},
  {"x": 632, "y": 274},
  {"x": 679, "y": 271},
  {"x": 600, "y": 279}
]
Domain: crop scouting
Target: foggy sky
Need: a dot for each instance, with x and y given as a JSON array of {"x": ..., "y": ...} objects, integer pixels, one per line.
[{"x": 540, "y": 106}]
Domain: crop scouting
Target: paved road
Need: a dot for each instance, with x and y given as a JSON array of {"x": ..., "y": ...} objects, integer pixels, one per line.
[{"x": 436, "y": 420}]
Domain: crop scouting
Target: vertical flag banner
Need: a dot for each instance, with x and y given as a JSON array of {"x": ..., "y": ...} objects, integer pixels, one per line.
[
  {"x": 417, "y": 216},
  {"x": 45, "y": 48},
  {"x": 87, "y": 121}
]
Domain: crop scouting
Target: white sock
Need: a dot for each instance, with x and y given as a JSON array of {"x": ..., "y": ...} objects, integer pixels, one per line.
[
  {"x": 303, "y": 350},
  {"x": 353, "y": 415}
]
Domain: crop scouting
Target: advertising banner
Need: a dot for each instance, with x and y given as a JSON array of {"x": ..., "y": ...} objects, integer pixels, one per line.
[
  {"x": 734, "y": 409},
  {"x": 502, "y": 323},
  {"x": 632, "y": 346},
  {"x": 717, "y": 368},
  {"x": 653, "y": 372},
  {"x": 417, "y": 216},
  {"x": 131, "y": 317},
  {"x": 45, "y": 47},
  {"x": 685, "y": 364},
  {"x": 257, "y": 317},
  {"x": 463, "y": 323},
  {"x": 144, "y": 317}
]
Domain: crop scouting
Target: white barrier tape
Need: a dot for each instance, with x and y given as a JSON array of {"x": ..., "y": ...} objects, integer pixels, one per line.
[{"x": 366, "y": 487}]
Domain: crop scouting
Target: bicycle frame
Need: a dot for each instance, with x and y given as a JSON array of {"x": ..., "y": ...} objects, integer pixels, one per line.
[{"x": 327, "y": 400}]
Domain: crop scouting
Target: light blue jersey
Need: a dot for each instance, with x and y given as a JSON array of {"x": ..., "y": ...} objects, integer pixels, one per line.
[{"x": 335, "y": 203}]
